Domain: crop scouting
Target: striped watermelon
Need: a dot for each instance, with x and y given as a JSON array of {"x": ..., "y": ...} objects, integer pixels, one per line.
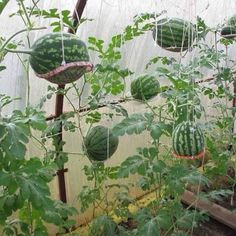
[
  {"x": 229, "y": 28},
  {"x": 188, "y": 141},
  {"x": 174, "y": 34},
  {"x": 227, "y": 32},
  {"x": 145, "y": 87},
  {"x": 100, "y": 143},
  {"x": 48, "y": 52}
]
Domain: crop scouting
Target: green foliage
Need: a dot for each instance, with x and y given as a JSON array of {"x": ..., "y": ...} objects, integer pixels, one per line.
[
  {"x": 218, "y": 195},
  {"x": 152, "y": 164},
  {"x": 137, "y": 123},
  {"x": 99, "y": 174},
  {"x": 163, "y": 60},
  {"x": 202, "y": 28},
  {"x": 149, "y": 228},
  {"x": 134, "y": 124},
  {"x": 15, "y": 130},
  {"x": 139, "y": 27},
  {"x": 103, "y": 225},
  {"x": 93, "y": 117},
  {"x": 3, "y": 4},
  {"x": 24, "y": 181},
  {"x": 108, "y": 79},
  {"x": 88, "y": 196}
]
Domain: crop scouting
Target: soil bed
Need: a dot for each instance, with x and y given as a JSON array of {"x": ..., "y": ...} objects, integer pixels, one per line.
[{"x": 213, "y": 228}]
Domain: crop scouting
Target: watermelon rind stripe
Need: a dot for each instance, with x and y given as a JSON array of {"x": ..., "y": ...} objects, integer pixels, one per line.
[
  {"x": 47, "y": 51},
  {"x": 170, "y": 33},
  {"x": 145, "y": 87},
  {"x": 100, "y": 143},
  {"x": 187, "y": 139}
]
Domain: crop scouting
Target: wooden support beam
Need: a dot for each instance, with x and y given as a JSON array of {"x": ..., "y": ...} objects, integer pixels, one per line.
[{"x": 216, "y": 211}]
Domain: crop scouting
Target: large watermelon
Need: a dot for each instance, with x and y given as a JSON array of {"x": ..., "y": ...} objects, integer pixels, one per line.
[
  {"x": 145, "y": 87},
  {"x": 59, "y": 57},
  {"x": 174, "y": 34},
  {"x": 188, "y": 141},
  {"x": 100, "y": 143}
]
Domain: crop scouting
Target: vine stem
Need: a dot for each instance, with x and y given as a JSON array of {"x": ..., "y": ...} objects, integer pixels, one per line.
[
  {"x": 34, "y": 6},
  {"x": 31, "y": 218},
  {"x": 26, "y": 14},
  {"x": 14, "y": 35},
  {"x": 19, "y": 51},
  {"x": 95, "y": 186},
  {"x": 79, "y": 121},
  {"x": 40, "y": 142}
]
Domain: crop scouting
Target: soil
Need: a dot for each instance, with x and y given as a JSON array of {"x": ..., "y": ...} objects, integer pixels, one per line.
[
  {"x": 221, "y": 182},
  {"x": 213, "y": 228},
  {"x": 226, "y": 203},
  {"x": 208, "y": 228}
]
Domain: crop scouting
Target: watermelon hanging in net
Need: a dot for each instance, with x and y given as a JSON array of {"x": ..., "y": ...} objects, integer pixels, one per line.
[
  {"x": 100, "y": 143},
  {"x": 188, "y": 141},
  {"x": 145, "y": 87},
  {"x": 229, "y": 30},
  {"x": 60, "y": 58},
  {"x": 174, "y": 34}
]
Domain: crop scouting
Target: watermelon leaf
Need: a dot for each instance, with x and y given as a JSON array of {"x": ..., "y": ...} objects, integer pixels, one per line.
[
  {"x": 134, "y": 124},
  {"x": 157, "y": 129},
  {"x": 132, "y": 165},
  {"x": 162, "y": 70},
  {"x": 119, "y": 109},
  {"x": 35, "y": 119},
  {"x": 93, "y": 117},
  {"x": 202, "y": 28},
  {"x": 218, "y": 195},
  {"x": 164, "y": 61},
  {"x": 150, "y": 228},
  {"x": 103, "y": 225}
]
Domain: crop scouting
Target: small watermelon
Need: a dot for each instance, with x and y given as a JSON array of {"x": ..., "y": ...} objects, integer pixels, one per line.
[
  {"x": 174, "y": 34},
  {"x": 228, "y": 32},
  {"x": 59, "y": 57},
  {"x": 188, "y": 141},
  {"x": 145, "y": 87},
  {"x": 100, "y": 143}
]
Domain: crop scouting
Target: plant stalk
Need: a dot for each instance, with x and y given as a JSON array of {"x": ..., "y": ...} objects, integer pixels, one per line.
[{"x": 19, "y": 32}]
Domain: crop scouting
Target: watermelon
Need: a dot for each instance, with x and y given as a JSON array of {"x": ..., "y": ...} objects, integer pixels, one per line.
[
  {"x": 145, "y": 87},
  {"x": 174, "y": 34},
  {"x": 188, "y": 141},
  {"x": 100, "y": 143},
  {"x": 230, "y": 28},
  {"x": 59, "y": 57},
  {"x": 227, "y": 32}
]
